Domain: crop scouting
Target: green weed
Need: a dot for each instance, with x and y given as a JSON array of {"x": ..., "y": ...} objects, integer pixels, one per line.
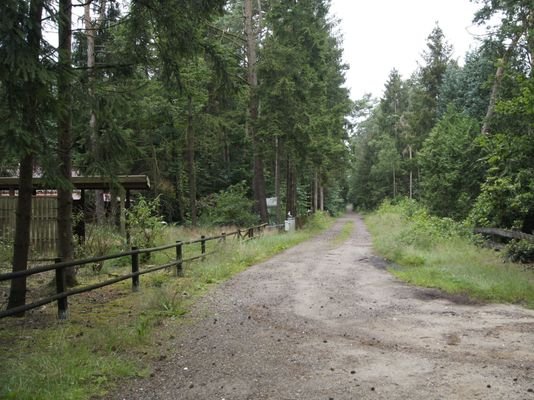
[{"x": 440, "y": 253}]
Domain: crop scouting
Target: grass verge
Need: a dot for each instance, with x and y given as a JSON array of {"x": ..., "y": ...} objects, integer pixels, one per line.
[
  {"x": 439, "y": 253},
  {"x": 112, "y": 333}
]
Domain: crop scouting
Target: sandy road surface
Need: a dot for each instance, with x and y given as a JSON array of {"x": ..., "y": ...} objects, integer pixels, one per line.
[{"x": 327, "y": 321}]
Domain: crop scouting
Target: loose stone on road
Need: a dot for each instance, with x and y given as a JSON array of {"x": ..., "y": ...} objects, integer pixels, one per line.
[{"x": 327, "y": 321}]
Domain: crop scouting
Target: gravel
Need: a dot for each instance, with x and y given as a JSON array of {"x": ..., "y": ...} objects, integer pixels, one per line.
[{"x": 328, "y": 321}]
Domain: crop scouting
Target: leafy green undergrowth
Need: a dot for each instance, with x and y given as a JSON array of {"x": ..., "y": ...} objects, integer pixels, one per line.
[
  {"x": 101, "y": 343},
  {"x": 440, "y": 253}
]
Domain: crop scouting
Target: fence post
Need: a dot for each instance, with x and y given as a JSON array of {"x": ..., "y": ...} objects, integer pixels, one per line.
[
  {"x": 61, "y": 286},
  {"x": 135, "y": 269},
  {"x": 251, "y": 233},
  {"x": 179, "y": 263},
  {"x": 203, "y": 246}
]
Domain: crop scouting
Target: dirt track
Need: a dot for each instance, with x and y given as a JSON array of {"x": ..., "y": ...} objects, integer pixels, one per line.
[{"x": 322, "y": 321}]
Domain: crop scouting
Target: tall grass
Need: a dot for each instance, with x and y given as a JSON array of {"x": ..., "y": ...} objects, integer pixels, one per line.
[
  {"x": 440, "y": 253},
  {"x": 84, "y": 356}
]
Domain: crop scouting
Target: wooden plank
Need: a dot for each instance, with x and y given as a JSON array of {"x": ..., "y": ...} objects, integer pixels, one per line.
[
  {"x": 7, "y": 219},
  {"x": 43, "y": 232}
]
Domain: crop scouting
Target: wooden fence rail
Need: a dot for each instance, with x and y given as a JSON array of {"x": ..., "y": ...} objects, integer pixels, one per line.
[{"x": 59, "y": 267}]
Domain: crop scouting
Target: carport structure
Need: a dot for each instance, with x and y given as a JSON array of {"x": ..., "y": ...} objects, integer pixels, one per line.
[{"x": 83, "y": 183}]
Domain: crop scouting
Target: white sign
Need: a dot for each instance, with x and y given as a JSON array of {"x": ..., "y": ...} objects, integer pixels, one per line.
[{"x": 271, "y": 201}]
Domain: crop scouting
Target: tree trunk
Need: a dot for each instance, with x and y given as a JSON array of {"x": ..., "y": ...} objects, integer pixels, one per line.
[
  {"x": 294, "y": 189},
  {"x": 321, "y": 197},
  {"x": 289, "y": 198},
  {"x": 64, "y": 200},
  {"x": 497, "y": 84},
  {"x": 529, "y": 23},
  {"x": 177, "y": 181},
  {"x": 411, "y": 172},
  {"x": 90, "y": 33},
  {"x": 260, "y": 194},
  {"x": 258, "y": 181},
  {"x": 122, "y": 212},
  {"x": 394, "y": 183},
  {"x": 291, "y": 190},
  {"x": 315, "y": 201},
  {"x": 114, "y": 211},
  {"x": 190, "y": 139},
  {"x": 21, "y": 245},
  {"x": 277, "y": 181}
]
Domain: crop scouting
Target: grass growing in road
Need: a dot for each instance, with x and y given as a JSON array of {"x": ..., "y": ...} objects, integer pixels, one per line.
[
  {"x": 345, "y": 233},
  {"x": 440, "y": 253},
  {"x": 104, "y": 341}
]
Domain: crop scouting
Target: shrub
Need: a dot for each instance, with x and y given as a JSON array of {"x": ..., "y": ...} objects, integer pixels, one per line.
[
  {"x": 318, "y": 221},
  {"x": 403, "y": 206},
  {"x": 520, "y": 251},
  {"x": 228, "y": 207},
  {"x": 423, "y": 229},
  {"x": 146, "y": 225}
]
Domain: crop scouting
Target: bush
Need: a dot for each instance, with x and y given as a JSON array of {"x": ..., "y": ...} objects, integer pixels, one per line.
[
  {"x": 423, "y": 229},
  {"x": 146, "y": 225},
  {"x": 228, "y": 207},
  {"x": 318, "y": 221},
  {"x": 403, "y": 206},
  {"x": 521, "y": 251}
]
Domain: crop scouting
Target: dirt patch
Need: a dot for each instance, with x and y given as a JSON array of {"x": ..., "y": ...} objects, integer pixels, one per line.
[
  {"x": 380, "y": 263},
  {"x": 435, "y": 294},
  {"x": 325, "y": 322}
]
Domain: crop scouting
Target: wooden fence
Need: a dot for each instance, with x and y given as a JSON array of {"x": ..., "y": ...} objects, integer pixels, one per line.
[
  {"x": 62, "y": 293},
  {"x": 43, "y": 233}
]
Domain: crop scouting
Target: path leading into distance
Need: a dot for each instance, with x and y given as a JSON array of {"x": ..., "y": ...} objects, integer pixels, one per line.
[{"x": 327, "y": 321}]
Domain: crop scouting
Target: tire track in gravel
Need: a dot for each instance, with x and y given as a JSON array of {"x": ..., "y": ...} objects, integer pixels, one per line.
[{"x": 326, "y": 321}]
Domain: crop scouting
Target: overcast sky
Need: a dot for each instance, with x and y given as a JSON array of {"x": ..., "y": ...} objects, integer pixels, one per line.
[{"x": 379, "y": 35}]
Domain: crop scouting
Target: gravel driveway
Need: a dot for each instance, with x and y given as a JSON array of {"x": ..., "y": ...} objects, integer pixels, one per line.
[{"x": 327, "y": 321}]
